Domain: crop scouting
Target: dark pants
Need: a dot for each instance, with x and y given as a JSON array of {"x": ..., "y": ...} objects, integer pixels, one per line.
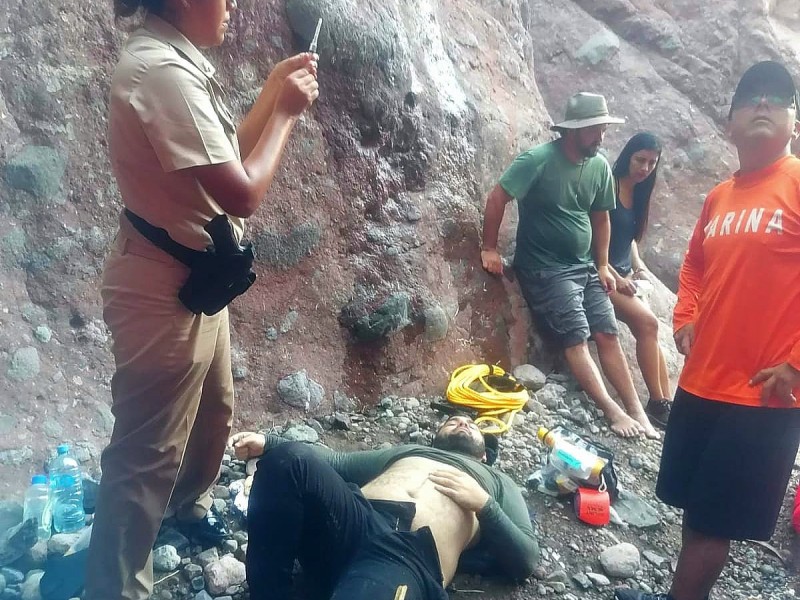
[
  {"x": 727, "y": 466},
  {"x": 349, "y": 548}
]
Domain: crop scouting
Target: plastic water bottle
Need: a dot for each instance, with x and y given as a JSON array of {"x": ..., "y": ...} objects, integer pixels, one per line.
[
  {"x": 66, "y": 492},
  {"x": 37, "y": 505},
  {"x": 570, "y": 458}
]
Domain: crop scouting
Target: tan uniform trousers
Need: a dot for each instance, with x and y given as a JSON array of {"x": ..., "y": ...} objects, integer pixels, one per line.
[{"x": 173, "y": 402}]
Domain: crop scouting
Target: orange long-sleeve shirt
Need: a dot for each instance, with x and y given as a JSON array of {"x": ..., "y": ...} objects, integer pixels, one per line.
[{"x": 740, "y": 284}]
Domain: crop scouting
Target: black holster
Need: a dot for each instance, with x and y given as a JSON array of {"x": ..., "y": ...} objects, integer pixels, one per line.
[{"x": 217, "y": 275}]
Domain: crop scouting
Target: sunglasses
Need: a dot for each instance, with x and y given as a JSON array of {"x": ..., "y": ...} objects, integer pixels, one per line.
[{"x": 772, "y": 100}]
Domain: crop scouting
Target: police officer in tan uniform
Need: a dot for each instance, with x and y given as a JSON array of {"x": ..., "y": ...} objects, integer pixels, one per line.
[{"x": 179, "y": 161}]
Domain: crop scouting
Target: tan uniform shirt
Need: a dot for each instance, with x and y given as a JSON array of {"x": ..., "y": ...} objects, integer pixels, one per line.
[{"x": 166, "y": 114}]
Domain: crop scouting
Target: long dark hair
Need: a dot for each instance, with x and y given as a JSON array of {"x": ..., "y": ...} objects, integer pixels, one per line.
[{"x": 641, "y": 191}]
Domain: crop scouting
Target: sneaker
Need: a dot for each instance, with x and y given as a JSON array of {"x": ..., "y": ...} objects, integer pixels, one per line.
[
  {"x": 629, "y": 594},
  {"x": 209, "y": 530},
  {"x": 658, "y": 412}
]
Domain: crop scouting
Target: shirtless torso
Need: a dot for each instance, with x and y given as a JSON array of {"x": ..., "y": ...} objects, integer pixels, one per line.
[{"x": 453, "y": 528}]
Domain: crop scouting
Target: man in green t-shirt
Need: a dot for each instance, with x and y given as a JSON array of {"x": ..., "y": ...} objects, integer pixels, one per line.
[{"x": 565, "y": 190}]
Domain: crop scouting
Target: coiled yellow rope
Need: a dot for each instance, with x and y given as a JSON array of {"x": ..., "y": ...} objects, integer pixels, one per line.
[{"x": 497, "y": 396}]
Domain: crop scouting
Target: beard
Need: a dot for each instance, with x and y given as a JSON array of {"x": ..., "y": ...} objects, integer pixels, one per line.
[
  {"x": 460, "y": 443},
  {"x": 590, "y": 151}
]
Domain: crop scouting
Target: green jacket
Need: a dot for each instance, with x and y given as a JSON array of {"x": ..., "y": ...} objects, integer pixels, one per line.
[{"x": 507, "y": 542}]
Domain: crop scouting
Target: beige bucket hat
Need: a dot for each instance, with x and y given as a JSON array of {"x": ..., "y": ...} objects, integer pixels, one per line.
[{"x": 585, "y": 110}]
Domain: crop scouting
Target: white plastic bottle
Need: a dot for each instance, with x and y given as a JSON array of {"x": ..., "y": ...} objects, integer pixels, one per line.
[
  {"x": 571, "y": 459},
  {"x": 37, "y": 505},
  {"x": 66, "y": 492}
]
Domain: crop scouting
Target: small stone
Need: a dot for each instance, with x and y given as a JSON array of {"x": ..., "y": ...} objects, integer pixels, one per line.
[
  {"x": 436, "y": 323},
  {"x": 598, "y": 48},
  {"x": 59, "y": 543},
  {"x": 166, "y": 558},
  {"x": 230, "y": 546},
  {"x": 16, "y": 541},
  {"x": 636, "y": 512},
  {"x": 343, "y": 403},
  {"x": 580, "y": 416},
  {"x": 43, "y": 333},
  {"x": 241, "y": 553},
  {"x": 52, "y": 429},
  {"x": 240, "y": 537},
  {"x": 289, "y": 321},
  {"x": 653, "y": 558},
  {"x": 207, "y": 557},
  {"x": 12, "y": 576},
  {"x": 203, "y": 595},
  {"x": 598, "y": 579},
  {"x": 620, "y": 561},
  {"x": 529, "y": 376},
  {"x": 582, "y": 580},
  {"x": 24, "y": 364},
  {"x": 198, "y": 583},
  {"x": 272, "y": 334},
  {"x": 551, "y": 395},
  {"x": 173, "y": 537},
  {"x": 301, "y": 433},
  {"x": 559, "y": 587},
  {"x": 38, "y": 554},
  {"x": 558, "y": 575},
  {"x": 222, "y": 574},
  {"x": 30, "y": 588},
  {"x": 192, "y": 570},
  {"x": 37, "y": 169},
  {"x": 539, "y": 572},
  {"x": 300, "y": 391},
  {"x": 636, "y": 462},
  {"x": 239, "y": 373},
  {"x": 340, "y": 421}
]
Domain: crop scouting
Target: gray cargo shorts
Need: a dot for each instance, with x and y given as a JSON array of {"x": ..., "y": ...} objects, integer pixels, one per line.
[{"x": 568, "y": 303}]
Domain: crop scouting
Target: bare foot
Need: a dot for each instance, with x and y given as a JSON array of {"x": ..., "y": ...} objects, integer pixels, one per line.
[
  {"x": 625, "y": 426},
  {"x": 649, "y": 431}
]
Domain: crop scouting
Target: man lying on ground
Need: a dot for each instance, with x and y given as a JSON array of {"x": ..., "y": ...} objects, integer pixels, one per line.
[{"x": 382, "y": 524}]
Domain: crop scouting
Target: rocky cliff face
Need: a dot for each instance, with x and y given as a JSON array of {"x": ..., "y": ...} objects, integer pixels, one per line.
[{"x": 369, "y": 279}]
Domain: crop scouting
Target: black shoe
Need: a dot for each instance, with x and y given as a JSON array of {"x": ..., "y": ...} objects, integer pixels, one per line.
[
  {"x": 629, "y": 594},
  {"x": 658, "y": 412},
  {"x": 211, "y": 529}
]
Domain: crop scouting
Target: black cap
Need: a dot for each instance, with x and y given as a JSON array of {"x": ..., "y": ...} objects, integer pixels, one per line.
[{"x": 766, "y": 77}]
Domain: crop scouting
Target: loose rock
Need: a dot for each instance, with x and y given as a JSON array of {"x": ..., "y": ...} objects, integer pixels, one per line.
[{"x": 620, "y": 561}]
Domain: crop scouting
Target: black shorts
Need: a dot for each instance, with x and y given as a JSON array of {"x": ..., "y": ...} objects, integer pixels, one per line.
[
  {"x": 568, "y": 303},
  {"x": 728, "y": 465}
]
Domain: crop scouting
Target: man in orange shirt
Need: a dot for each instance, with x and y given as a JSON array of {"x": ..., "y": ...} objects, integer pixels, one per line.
[{"x": 734, "y": 429}]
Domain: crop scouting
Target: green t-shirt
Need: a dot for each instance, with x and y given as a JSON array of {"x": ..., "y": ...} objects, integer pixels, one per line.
[
  {"x": 555, "y": 197},
  {"x": 507, "y": 543}
]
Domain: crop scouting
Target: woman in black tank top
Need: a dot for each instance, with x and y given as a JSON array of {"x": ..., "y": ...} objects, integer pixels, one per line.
[{"x": 635, "y": 172}]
